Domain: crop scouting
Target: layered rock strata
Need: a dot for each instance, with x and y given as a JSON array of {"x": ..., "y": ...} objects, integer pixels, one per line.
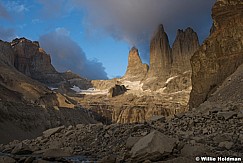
[{"x": 221, "y": 53}]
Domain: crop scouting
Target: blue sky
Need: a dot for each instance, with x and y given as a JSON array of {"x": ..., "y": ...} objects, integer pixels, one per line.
[{"x": 101, "y": 31}]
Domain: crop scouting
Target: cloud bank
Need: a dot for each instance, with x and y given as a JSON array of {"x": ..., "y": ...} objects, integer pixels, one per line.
[
  {"x": 135, "y": 20},
  {"x": 68, "y": 55},
  {"x": 7, "y": 34},
  {"x": 4, "y": 13}
]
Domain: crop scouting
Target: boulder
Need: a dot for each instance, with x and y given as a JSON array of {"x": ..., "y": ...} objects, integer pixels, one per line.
[
  {"x": 194, "y": 150},
  {"x": 54, "y": 153},
  {"x": 178, "y": 160},
  {"x": 52, "y": 131},
  {"x": 7, "y": 159},
  {"x": 153, "y": 146},
  {"x": 117, "y": 90},
  {"x": 21, "y": 149},
  {"x": 131, "y": 141}
]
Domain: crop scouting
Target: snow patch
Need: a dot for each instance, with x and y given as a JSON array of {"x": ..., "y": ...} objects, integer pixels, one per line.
[
  {"x": 135, "y": 85},
  {"x": 169, "y": 79},
  {"x": 76, "y": 89},
  {"x": 51, "y": 88}
]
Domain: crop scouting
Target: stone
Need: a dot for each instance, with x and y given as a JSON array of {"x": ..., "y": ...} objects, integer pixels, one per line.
[
  {"x": 226, "y": 144},
  {"x": 131, "y": 141},
  {"x": 52, "y": 131},
  {"x": 153, "y": 146},
  {"x": 21, "y": 149},
  {"x": 227, "y": 115},
  {"x": 117, "y": 90},
  {"x": 107, "y": 159},
  {"x": 178, "y": 160},
  {"x": 136, "y": 70},
  {"x": 54, "y": 153},
  {"x": 29, "y": 160},
  {"x": 158, "y": 118},
  {"x": 7, "y": 159},
  {"x": 193, "y": 150}
]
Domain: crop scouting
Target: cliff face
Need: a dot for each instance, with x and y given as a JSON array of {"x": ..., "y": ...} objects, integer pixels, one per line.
[
  {"x": 166, "y": 62},
  {"x": 32, "y": 60},
  {"x": 221, "y": 53},
  {"x": 184, "y": 46},
  {"x": 27, "y": 107},
  {"x": 136, "y": 70},
  {"x": 7, "y": 55},
  {"x": 160, "y": 55}
]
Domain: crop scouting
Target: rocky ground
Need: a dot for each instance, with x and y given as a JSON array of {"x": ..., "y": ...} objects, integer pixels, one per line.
[{"x": 208, "y": 131}]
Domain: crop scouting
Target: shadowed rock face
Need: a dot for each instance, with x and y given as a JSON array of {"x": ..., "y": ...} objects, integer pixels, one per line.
[
  {"x": 6, "y": 53},
  {"x": 221, "y": 54},
  {"x": 160, "y": 55},
  {"x": 166, "y": 62},
  {"x": 185, "y": 45},
  {"x": 136, "y": 70}
]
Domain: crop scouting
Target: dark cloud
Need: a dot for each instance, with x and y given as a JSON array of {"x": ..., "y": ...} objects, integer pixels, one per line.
[
  {"x": 7, "y": 34},
  {"x": 68, "y": 55},
  {"x": 54, "y": 8},
  {"x": 4, "y": 13},
  {"x": 135, "y": 20}
]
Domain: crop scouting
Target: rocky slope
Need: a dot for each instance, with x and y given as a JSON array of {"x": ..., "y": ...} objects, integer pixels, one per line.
[
  {"x": 222, "y": 52},
  {"x": 136, "y": 70},
  {"x": 27, "y": 106},
  {"x": 213, "y": 133}
]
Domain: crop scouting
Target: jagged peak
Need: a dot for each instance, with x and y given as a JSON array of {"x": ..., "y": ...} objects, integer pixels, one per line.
[
  {"x": 134, "y": 49},
  {"x": 159, "y": 31},
  {"x": 23, "y": 39}
]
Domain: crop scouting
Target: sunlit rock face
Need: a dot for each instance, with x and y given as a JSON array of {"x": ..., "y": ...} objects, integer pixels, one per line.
[
  {"x": 32, "y": 60},
  {"x": 136, "y": 70},
  {"x": 221, "y": 53},
  {"x": 184, "y": 46},
  {"x": 160, "y": 55}
]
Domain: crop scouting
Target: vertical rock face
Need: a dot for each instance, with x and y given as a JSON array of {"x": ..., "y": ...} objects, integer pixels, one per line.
[
  {"x": 160, "y": 55},
  {"x": 166, "y": 62},
  {"x": 31, "y": 59},
  {"x": 221, "y": 54},
  {"x": 185, "y": 45},
  {"x": 6, "y": 53},
  {"x": 136, "y": 70}
]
